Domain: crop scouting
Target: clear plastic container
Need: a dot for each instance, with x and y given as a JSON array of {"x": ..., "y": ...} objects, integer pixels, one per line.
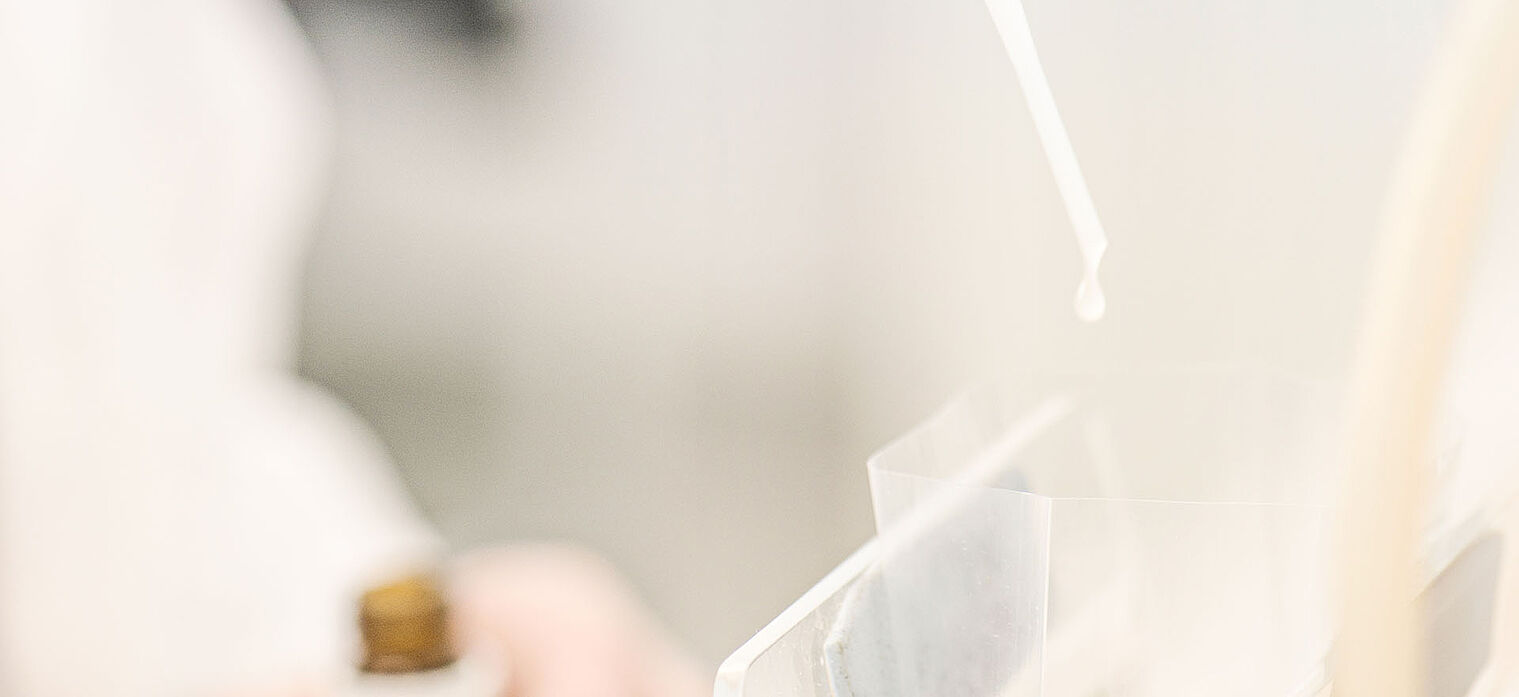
[{"x": 1154, "y": 533}]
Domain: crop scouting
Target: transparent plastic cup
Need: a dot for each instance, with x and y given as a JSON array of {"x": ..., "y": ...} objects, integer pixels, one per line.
[{"x": 1150, "y": 533}]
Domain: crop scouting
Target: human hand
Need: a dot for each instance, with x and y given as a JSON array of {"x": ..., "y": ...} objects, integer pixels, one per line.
[
  {"x": 567, "y": 626},
  {"x": 563, "y": 623}
]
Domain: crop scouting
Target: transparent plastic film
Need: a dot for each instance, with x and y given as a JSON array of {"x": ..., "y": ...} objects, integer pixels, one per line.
[
  {"x": 1174, "y": 551},
  {"x": 1064, "y": 537}
]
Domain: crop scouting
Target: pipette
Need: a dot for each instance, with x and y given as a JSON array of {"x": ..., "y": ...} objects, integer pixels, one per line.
[{"x": 1018, "y": 40}]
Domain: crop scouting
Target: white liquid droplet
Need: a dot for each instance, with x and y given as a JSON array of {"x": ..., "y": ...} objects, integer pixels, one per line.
[{"x": 1090, "y": 302}]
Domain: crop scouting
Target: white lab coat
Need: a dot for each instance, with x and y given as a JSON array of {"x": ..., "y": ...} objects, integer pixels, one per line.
[{"x": 178, "y": 513}]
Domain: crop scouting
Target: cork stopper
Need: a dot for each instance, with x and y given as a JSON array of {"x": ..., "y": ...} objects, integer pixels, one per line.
[{"x": 405, "y": 627}]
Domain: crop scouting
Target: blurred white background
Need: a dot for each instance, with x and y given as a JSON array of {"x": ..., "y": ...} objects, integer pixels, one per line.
[
  {"x": 657, "y": 275},
  {"x": 650, "y": 276}
]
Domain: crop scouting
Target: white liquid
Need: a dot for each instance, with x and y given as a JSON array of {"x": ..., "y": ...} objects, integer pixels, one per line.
[
  {"x": 1090, "y": 302},
  {"x": 1012, "y": 26}
]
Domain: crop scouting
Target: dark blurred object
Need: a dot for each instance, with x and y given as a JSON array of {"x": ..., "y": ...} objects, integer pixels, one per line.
[
  {"x": 476, "y": 20},
  {"x": 405, "y": 627}
]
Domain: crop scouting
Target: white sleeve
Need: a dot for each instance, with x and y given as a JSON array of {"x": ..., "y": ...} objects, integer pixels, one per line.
[{"x": 178, "y": 512}]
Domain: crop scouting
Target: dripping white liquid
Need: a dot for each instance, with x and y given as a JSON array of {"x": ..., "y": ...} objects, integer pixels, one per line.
[
  {"x": 1090, "y": 303},
  {"x": 1012, "y": 26}
]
